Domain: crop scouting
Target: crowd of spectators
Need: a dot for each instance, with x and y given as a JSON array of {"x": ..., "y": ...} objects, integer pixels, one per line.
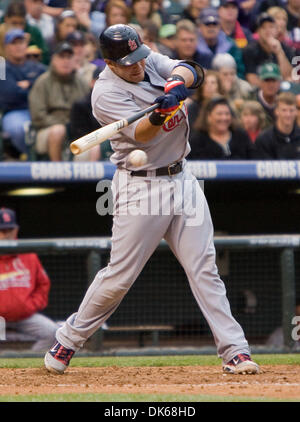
[{"x": 247, "y": 108}]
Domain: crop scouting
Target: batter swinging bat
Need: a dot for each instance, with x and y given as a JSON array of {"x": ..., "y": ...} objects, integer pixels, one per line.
[{"x": 102, "y": 134}]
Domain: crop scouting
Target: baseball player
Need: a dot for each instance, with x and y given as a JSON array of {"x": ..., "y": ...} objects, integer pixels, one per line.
[{"x": 133, "y": 79}]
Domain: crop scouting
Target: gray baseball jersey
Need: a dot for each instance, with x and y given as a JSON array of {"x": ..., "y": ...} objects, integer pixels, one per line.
[
  {"x": 135, "y": 235},
  {"x": 114, "y": 98}
]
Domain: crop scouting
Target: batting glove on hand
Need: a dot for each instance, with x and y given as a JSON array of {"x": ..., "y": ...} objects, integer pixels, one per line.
[
  {"x": 175, "y": 86},
  {"x": 167, "y": 103}
]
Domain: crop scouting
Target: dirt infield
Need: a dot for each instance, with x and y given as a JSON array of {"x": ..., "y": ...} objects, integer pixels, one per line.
[{"x": 280, "y": 381}]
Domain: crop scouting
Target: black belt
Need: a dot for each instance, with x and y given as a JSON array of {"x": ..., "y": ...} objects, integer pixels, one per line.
[{"x": 174, "y": 168}]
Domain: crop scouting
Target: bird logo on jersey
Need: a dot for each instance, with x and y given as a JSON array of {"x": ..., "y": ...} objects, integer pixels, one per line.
[{"x": 132, "y": 45}]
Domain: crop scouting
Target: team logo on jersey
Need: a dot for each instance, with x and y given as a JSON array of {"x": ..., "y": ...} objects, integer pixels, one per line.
[
  {"x": 132, "y": 45},
  {"x": 172, "y": 123}
]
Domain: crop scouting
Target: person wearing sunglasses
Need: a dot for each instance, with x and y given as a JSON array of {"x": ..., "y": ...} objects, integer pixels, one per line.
[{"x": 212, "y": 40}]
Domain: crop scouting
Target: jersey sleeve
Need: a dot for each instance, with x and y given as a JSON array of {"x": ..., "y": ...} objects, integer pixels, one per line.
[
  {"x": 162, "y": 64},
  {"x": 113, "y": 106}
]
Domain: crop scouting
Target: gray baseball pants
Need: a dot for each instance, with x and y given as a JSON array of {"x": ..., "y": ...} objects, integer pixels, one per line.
[
  {"x": 37, "y": 328},
  {"x": 188, "y": 231}
]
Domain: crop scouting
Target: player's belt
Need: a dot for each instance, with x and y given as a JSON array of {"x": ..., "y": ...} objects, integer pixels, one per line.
[{"x": 171, "y": 169}]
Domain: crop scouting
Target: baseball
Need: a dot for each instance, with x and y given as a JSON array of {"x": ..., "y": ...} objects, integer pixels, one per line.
[{"x": 138, "y": 158}]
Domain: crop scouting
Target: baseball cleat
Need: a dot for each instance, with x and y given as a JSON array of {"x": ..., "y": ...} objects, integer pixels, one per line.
[
  {"x": 241, "y": 364},
  {"x": 58, "y": 358}
]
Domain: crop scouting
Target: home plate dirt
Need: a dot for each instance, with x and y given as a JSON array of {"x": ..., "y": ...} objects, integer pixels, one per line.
[{"x": 280, "y": 381}]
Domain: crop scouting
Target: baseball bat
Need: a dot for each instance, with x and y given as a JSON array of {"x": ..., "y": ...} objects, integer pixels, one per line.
[{"x": 100, "y": 135}]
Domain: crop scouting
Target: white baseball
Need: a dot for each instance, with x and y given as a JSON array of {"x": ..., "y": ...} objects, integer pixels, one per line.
[{"x": 138, "y": 158}]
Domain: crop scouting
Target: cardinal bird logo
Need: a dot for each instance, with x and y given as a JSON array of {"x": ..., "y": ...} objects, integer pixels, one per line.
[{"x": 132, "y": 45}]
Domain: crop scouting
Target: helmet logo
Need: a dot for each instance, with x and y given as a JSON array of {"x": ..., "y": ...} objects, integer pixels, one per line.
[{"x": 132, "y": 45}]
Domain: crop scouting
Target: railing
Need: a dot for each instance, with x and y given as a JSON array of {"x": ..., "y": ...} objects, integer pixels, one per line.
[{"x": 282, "y": 265}]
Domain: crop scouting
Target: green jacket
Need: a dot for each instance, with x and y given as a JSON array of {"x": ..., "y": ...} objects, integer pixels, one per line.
[
  {"x": 51, "y": 98},
  {"x": 36, "y": 38}
]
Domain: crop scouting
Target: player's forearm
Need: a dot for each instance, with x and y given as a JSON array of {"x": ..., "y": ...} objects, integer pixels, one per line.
[
  {"x": 187, "y": 75},
  {"x": 145, "y": 131}
]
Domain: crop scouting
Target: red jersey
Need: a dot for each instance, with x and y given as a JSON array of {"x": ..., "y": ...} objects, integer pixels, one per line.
[{"x": 24, "y": 286}]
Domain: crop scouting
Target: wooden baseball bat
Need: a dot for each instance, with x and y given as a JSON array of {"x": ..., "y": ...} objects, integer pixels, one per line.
[{"x": 100, "y": 135}]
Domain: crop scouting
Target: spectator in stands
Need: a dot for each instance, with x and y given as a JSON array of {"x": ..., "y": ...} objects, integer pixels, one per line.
[
  {"x": 228, "y": 12},
  {"x": 116, "y": 12},
  {"x": 167, "y": 39},
  {"x": 20, "y": 76},
  {"x": 51, "y": 99},
  {"x": 280, "y": 17},
  {"x": 193, "y": 9},
  {"x": 266, "y": 49},
  {"x": 247, "y": 12},
  {"x": 15, "y": 18},
  {"x": 66, "y": 23},
  {"x": 186, "y": 41},
  {"x": 24, "y": 289},
  {"x": 92, "y": 51},
  {"x": 35, "y": 16},
  {"x": 55, "y": 8},
  {"x": 142, "y": 11},
  {"x": 270, "y": 80},
  {"x": 276, "y": 339},
  {"x": 216, "y": 135},
  {"x": 166, "y": 12},
  {"x": 84, "y": 68},
  {"x": 150, "y": 36},
  {"x": 88, "y": 21},
  {"x": 282, "y": 140},
  {"x": 212, "y": 40},
  {"x": 34, "y": 53},
  {"x": 293, "y": 11},
  {"x": 298, "y": 109},
  {"x": 235, "y": 89},
  {"x": 253, "y": 119},
  {"x": 210, "y": 88},
  {"x": 82, "y": 122}
]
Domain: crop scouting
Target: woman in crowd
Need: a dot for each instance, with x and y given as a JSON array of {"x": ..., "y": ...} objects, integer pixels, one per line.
[
  {"x": 142, "y": 11},
  {"x": 281, "y": 20},
  {"x": 217, "y": 136},
  {"x": 88, "y": 21},
  {"x": 66, "y": 24},
  {"x": 235, "y": 89},
  {"x": 253, "y": 118},
  {"x": 117, "y": 12},
  {"x": 210, "y": 87}
]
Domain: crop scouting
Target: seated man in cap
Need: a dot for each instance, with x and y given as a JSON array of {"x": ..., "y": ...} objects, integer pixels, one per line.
[
  {"x": 24, "y": 289},
  {"x": 15, "y": 18},
  {"x": 267, "y": 49},
  {"x": 212, "y": 40},
  {"x": 51, "y": 100},
  {"x": 270, "y": 82},
  {"x": 229, "y": 12},
  {"x": 21, "y": 73}
]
